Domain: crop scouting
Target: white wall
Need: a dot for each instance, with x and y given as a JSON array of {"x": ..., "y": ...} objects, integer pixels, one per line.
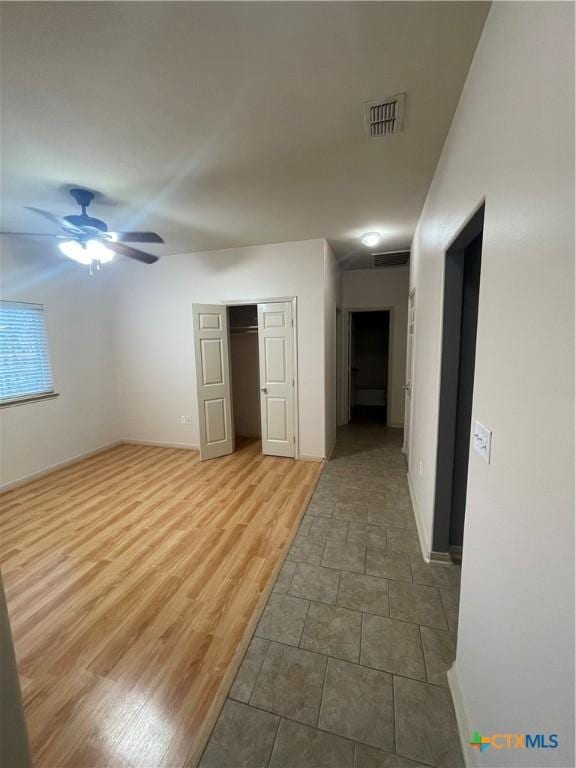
[
  {"x": 385, "y": 288},
  {"x": 78, "y": 311},
  {"x": 332, "y": 301},
  {"x": 511, "y": 142},
  {"x": 155, "y": 350}
]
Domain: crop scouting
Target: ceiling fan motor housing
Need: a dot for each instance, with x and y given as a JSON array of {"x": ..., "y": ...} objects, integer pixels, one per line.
[
  {"x": 87, "y": 221},
  {"x": 84, "y": 197}
]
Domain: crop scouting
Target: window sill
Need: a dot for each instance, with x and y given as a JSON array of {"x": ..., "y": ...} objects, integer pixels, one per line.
[{"x": 29, "y": 399}]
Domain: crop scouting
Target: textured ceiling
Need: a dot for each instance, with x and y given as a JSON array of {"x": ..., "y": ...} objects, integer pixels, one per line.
[{"x": 227, "y": 124}]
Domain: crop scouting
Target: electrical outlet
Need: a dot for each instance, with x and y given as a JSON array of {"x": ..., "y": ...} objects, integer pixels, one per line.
[{"x": 182, "y": 419}]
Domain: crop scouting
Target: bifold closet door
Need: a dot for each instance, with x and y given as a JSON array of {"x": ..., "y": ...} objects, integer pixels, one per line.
[
  {"x": 211, "y": 344},
  {"x": 276, "y": 353}
]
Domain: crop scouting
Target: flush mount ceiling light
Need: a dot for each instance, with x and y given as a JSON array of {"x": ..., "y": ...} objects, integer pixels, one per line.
[{"x": 370, "y": 239}]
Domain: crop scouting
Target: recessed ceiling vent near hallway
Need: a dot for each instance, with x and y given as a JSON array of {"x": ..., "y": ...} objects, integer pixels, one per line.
[
  {"x": 391, "y": 259},
  {"x": 384, "y": 117}
]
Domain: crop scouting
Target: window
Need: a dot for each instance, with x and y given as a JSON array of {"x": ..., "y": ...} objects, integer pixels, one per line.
[{"x": 25, "y": 371}]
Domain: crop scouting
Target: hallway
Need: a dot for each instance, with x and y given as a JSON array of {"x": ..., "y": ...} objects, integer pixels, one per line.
[{"x": 347, "y": 665}]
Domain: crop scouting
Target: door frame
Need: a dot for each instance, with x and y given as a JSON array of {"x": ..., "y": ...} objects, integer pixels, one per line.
[
  {"x": 449, "y": 375},
  {"x": 272, "y": 300},
  {"x": 409, "y": 377},
  {"x": 347, "y": 313}
]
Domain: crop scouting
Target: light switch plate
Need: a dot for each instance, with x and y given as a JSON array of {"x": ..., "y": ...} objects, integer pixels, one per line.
[{"x": 482, "y": 441}]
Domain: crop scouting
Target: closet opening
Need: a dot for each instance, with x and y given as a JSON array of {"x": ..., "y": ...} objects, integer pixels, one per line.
[{"x": 245, "y": 372}]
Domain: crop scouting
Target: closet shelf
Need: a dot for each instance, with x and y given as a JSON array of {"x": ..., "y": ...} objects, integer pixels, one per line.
[{"x": 244, "y": 329}]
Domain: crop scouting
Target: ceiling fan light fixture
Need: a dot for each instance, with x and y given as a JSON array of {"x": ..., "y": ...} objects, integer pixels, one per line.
[
  {"x": 73, "y": 250},
  {"x": 370, "y": 239},
  {"x": 99, "y": 252},
  {"x": 91, "y": 251}
]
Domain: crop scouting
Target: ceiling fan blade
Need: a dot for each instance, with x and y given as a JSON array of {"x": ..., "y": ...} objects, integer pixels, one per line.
[
  {"x": 30, "y": 234},
  {"x": 58, "y": 220},
  {"x": 132, "y": 253},
  {"x": 135, "y": 237}
]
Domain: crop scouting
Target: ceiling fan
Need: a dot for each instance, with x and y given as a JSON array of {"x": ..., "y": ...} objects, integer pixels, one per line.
[{"x": 88, "y": 240}]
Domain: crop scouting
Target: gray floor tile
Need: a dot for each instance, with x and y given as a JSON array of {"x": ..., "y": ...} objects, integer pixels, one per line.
[
  {"x": 451, "y": 603},
  {"x": 426, "y": 727},
  {"x": 390, "y": 518},
  {"x": 362, "y": 533},
  {"x": 305, "y": 550},
  {"x": 358, "y": 703},
  {"x": 333, "y": 631},
  {"x": 439, "y": 653},
  {"x": 403, "y": 540},
  {"x": 364, "y": 593},
  {"x": 290, "y": 683},
  {"x": 305, "y": 525},
  {"x": 435, "y": 575},
  {"x": 393, "y": 646},
  {"x": 284, "y": 578},
  {"x": 324, "y": 528},
  {"x": 283, "y": 619},
  {"x": 352, "y": 511},
  {"x": 242, "y": 738},
  {"x": 379, "y": 562},
  {"x": 315, "y": 583},
  {"x": 345, "y": 557},
  {"x": 413, "y": 602},
  {"x": 298, "y": 746},
  {"x": 369, "y": 757},
  {"x": 321, "y": 504},
  {"x": 249, "y": 670}
]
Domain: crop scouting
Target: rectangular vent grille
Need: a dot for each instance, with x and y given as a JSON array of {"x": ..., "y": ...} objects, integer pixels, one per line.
[
  {"x": 391, "y": 259},
  {"x": 385, "y": 116}
]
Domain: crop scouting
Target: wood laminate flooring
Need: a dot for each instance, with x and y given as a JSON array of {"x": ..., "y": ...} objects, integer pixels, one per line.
[{"x": 134, "y": 580}]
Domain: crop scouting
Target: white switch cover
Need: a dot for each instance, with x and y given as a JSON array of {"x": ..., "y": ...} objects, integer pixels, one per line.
[{"x": 482, "y": 441}]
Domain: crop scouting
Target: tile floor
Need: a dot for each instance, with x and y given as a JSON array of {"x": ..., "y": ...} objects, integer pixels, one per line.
[{"x": 347, "y": 666}]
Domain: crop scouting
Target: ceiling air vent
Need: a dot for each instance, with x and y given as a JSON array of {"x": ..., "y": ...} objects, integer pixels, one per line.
[
  {"x": 391, "y": 259},
  {"x": 384, "y": 116}
]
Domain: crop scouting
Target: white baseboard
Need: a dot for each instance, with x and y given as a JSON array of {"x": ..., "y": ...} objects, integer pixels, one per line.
[
  {"x": 462, "y": 719},
  {"x": 55, "y": 467},
  {"x": 422, "y": 535},
  {"x": 161, "y": 444},
  {"x": 306, "y": 457}
]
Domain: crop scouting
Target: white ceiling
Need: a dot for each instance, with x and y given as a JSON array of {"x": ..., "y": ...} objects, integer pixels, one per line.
[{"x": 227, "y": 124}]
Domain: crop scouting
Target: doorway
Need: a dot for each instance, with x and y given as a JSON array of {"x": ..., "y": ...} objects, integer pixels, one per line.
[
  {"x": 369, "y": 365},
  {"x": 460, "y": 322}
]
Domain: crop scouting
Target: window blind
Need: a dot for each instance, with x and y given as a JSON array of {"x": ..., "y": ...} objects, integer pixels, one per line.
[{"x": 25, "y": 368}]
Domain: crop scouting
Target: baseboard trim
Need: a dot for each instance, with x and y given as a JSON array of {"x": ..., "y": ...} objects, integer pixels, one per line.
[
  {"x": 305, "y": 457},
  {"x": 423, "y": 538},
  {"x": 55, "y": 467},
  {"x": 440, "y": 558},
  {"x": 162, "y": 444},
  {"x": 462, "y": 719}
]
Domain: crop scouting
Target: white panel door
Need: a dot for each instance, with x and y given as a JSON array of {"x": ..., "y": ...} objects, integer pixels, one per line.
[
  {"x": 277, "y": 393},
  {"x": 211, "y": 344}
]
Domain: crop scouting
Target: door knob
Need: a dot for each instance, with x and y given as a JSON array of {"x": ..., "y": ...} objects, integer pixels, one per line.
[{"x": 263, "y": 389}]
